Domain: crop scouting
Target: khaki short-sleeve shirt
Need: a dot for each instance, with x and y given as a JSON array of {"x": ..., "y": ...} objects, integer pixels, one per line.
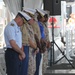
[
  {"x": 25, "y": 35},
  {"x": 36, "y": 29}
]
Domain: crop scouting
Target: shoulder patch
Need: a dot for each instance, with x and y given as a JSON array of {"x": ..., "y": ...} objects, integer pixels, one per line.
[{"x": 12, "y": 24}]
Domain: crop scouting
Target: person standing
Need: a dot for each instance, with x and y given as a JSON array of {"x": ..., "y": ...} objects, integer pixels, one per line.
[
  {"x": 25, "y": 45},
  {"x": 42, "y": 19},
  {"x": 48, "y": 44},
  {"x": 35, "y": 35},
  {"x": 29, "y": 45},
  {"x": 13, "y": 39},
  {"x": 39, "y": 56}
]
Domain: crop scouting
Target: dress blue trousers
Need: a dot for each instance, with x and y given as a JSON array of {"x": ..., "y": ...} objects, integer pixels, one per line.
[
  {"x": 24, "y": 64},
  {"x": 38, "y": 59},
  {"x": 13, "y": 63}
]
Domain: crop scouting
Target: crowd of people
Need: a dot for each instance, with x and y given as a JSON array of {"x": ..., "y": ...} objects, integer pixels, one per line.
[{"x": 27, "y": 42}]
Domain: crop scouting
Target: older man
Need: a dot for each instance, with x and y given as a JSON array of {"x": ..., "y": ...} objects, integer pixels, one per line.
[{"x": 13, "y": 38}]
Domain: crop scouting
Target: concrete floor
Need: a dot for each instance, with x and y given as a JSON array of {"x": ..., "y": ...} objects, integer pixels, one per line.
[
  {"x": 57, "y": 69},
  {"x": 61, "y": 69}
]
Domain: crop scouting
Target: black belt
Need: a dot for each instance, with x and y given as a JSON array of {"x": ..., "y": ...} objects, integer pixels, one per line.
[{"x": 11, "y": 49}]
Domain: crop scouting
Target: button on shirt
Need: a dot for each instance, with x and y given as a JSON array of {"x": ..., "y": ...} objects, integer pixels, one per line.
[{"x": 12, "y": 32}]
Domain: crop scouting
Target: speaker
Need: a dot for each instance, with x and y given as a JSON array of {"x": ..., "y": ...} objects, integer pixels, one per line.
[{"x": 54, "y": 6}]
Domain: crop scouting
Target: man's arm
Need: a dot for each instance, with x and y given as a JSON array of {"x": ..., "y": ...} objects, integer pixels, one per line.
[{"x": 17, "y": 49}]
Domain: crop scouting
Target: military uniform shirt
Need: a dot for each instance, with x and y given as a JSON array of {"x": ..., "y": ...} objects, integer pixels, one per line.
[
  {"x": 46, "y": 32},
  {"x": 36, "y": 29},
  {"x": 12, "y": 32},
  {"x": 25, "y": 35}
]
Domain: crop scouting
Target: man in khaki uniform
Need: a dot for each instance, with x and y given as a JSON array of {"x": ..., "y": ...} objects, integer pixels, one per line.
[
  {"x": 48, "y": 44},
  {"x": 35, "y": 27},
  {"x": 27, "y": 43},
  {"x": 31, "y": 13},
  {"x": 44, "y": 40}
]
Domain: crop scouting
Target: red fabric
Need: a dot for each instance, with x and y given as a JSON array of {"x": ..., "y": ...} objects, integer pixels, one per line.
[
  {"x": 54, "y": 26},
  {"x": 54, "y": 19}
]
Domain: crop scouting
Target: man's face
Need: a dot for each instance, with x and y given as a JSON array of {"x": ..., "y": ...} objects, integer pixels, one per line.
[
  {"x": 31, "y": 21},
  {"x": 21, "y": 21},
  {"x": 42, "y": 19},
  {"x": 46, "y": 19}
]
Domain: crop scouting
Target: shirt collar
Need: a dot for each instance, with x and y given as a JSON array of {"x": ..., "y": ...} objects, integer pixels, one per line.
[{"x": 15, "y": 24}]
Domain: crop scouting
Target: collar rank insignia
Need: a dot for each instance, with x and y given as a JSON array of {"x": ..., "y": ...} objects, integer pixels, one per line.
[{"x": 12, "y": 24}]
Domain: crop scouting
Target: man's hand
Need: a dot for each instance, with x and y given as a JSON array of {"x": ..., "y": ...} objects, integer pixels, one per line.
[
  {"x": 48, "y": 44},
  {"x": 22, "y": 56},
  {"x": 36, "y": 51}
]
